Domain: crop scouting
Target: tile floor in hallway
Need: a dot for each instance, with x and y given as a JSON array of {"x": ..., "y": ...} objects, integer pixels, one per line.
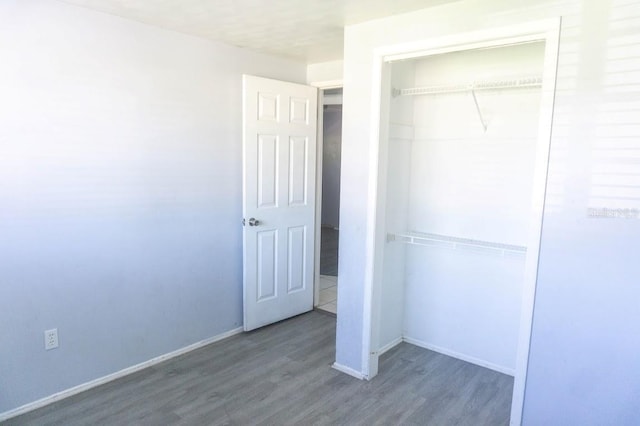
[
  {"x": 328, "y": 293},
  {"x": 328, "y": 269}
]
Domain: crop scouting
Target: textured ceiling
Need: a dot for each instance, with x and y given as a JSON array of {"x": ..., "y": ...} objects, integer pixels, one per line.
[{"x": 307, "y": 30}]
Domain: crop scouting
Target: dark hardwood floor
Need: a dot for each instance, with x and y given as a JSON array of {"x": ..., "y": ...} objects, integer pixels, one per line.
[{"x": 282, "y": 375}]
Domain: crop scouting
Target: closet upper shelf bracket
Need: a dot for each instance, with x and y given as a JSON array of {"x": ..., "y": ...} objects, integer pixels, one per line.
[
  {"x": 475, "y": 100},
  {"x": 473, "y": 87}
]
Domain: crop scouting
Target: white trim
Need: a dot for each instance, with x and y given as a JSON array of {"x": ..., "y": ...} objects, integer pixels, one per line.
[
  {"x": 461, "y": 356},
  {"x": 448, "y": 352},
  {"x": 543, "y": 149},
  {"x": 547, "y": 30},
  {"x": 370, "y": 319},
  {"x": 318, "y": 200},
  {"x": 347, "y": 370},
  {"x": 322, "y": 86},
  {"x": 113, "y": 376},
  {"x": 328, "y": 84},
  {"x": 508, "y": 35},
  {"x": 392, "y": 344}
]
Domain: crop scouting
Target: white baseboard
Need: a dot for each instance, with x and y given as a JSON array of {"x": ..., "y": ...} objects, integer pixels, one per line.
[
  {"x": 461, "y": 356},
  {"x": 113, "y": 376},
  {"x": 390, "y": 346},
  {"x": 348, "y": 370}
]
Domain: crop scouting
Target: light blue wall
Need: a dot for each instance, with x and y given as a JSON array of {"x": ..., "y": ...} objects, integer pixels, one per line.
[
  {"x": 584, "y": 367},
  {"x": 120, "y": 192}
]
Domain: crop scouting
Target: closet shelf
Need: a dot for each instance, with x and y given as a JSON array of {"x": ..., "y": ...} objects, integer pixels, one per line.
[
  {"x": 437, "y": 240},
  {"x": 514, "y": 83}
]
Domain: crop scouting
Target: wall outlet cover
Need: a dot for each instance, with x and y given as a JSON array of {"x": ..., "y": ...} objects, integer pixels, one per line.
[{"x": 51, "y": 339}]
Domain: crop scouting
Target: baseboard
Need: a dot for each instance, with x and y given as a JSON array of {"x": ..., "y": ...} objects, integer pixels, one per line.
[
  {"x": 461, "y": 356},
  {"x": 110, "y": 377},
  {"x": 348, "y": 370},
  {"x": 390, "y": 346}
]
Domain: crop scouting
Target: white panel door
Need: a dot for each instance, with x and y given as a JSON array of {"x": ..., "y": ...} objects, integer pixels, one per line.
[{"x": 279, "y": 146}]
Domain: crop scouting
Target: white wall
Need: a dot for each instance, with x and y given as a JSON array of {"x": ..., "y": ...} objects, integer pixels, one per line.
[
  {"x": 465, "y": 182},
  {"x": 321, "y": 72},
  {"x": 401, "y": 134},
  {"x": 583, "y": 358},
  {"x": 120, "y": 192}
]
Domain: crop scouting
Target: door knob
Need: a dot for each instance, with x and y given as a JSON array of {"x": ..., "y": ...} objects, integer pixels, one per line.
[{"x": 254, "y": 222}]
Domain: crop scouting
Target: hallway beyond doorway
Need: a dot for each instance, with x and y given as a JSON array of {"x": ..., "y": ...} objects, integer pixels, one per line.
[
  {"x": 328, "y": 269},
  {"x": 329, "y": 251}
]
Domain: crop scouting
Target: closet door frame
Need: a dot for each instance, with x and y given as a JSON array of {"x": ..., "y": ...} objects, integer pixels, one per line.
[{"x": 547, "y": 31}]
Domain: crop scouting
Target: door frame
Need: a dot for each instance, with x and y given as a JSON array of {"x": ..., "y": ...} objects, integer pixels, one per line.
[
  {"x": 322, "y": 86},
  {"x": 547, "y": 31}
]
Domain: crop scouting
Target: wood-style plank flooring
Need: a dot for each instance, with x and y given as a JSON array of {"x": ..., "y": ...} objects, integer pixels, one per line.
[{"x": 282, "y": 375}]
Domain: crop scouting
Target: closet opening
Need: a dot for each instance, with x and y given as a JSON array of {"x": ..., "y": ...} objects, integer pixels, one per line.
[
  {"x": 461, "y": 170},
  {"x": 328, "y": 214}
]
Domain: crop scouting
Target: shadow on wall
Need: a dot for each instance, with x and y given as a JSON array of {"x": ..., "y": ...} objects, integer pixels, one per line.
[{"x": 332, "y": 145}]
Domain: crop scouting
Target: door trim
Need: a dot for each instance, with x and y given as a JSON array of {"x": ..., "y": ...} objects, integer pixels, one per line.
[
  {"x": 322, "y": 86},
  {"x": 548, "y": 31}
]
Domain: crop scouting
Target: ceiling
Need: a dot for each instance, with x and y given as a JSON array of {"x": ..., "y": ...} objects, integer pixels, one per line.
[{"x": 306, "y": 30}]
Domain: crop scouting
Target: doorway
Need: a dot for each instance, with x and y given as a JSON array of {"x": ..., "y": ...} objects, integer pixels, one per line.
[{"x": 331, "y": 143}]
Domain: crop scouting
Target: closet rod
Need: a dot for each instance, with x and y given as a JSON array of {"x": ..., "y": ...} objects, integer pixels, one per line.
[
  {"x": 426, "y": 239},
  {"x": 514, "y": 83}
]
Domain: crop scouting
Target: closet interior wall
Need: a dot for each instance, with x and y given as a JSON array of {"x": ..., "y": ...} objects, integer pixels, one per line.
[{"x": 447, "y": 175}]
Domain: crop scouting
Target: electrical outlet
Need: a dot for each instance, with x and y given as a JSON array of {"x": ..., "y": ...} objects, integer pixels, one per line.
[{"x": 51, "y": 339}]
